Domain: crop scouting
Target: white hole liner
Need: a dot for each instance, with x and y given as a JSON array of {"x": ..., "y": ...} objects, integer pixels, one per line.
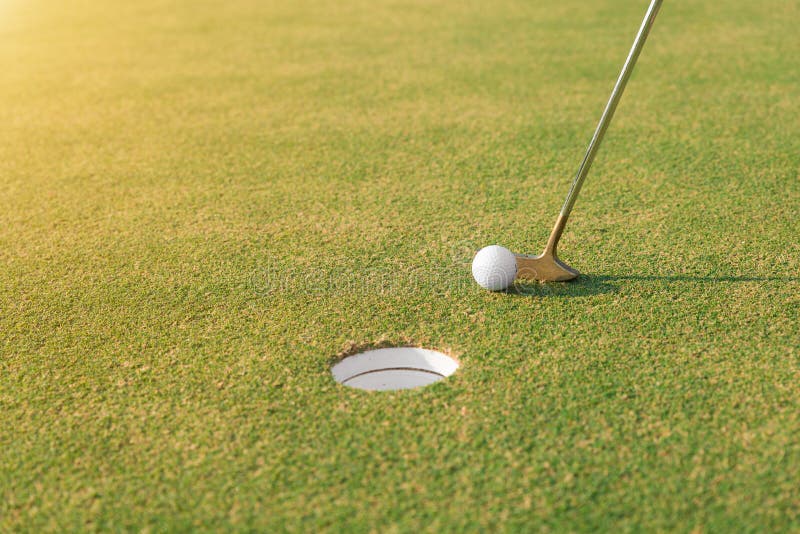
[{"x": 394, "y": 368}]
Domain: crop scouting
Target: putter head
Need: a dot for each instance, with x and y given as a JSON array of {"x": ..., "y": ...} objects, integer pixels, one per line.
[{"x": 546, "y": 268}]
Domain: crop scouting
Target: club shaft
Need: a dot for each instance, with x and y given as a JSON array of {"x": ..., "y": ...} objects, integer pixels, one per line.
[{"x": 605, "y": 120}]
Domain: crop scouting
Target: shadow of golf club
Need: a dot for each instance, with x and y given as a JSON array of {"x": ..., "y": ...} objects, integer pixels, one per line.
[
  {"x": 588, "y": 285},
  {"x": 692, "y": 278}
]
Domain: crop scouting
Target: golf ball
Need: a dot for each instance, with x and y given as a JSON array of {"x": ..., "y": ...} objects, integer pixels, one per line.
[{"x": 494, "y": 268}]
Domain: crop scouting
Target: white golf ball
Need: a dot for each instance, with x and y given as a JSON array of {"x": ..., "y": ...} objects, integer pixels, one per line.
[{"x": 494, "y": 268}]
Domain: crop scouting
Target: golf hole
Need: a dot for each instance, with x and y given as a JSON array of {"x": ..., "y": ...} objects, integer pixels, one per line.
[{"x": 394, "y": 368}]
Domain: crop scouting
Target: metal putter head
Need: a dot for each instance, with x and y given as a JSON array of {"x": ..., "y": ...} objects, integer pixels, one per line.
[{"x": 546, "y": 267}]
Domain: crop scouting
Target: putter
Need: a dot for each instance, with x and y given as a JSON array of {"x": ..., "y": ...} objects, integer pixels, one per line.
[{"x": 547, "y": 267}]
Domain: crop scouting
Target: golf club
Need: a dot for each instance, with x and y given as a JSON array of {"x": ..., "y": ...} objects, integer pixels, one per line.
[{"x": 547, "y": 266}]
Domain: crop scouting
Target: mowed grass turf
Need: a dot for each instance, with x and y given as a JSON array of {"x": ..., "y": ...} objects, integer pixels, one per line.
[{"x": 203, "y": 203}]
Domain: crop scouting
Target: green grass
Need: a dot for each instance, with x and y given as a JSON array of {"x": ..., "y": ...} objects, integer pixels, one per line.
[{"x": 203, "y": 203}]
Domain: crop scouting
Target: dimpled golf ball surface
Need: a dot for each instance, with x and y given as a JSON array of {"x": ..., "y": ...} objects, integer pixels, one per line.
[{"x": 494, "y": 268}]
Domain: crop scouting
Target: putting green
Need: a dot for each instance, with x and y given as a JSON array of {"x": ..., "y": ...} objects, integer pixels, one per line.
[{"x": 204, "y": 203}]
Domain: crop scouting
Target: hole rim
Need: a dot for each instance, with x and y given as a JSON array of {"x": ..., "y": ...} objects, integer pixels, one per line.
[{"x": 447, "y": 365}]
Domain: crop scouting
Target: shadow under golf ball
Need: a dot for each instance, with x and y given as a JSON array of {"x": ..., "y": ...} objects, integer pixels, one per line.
[{"x": 582, "y": 287}]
